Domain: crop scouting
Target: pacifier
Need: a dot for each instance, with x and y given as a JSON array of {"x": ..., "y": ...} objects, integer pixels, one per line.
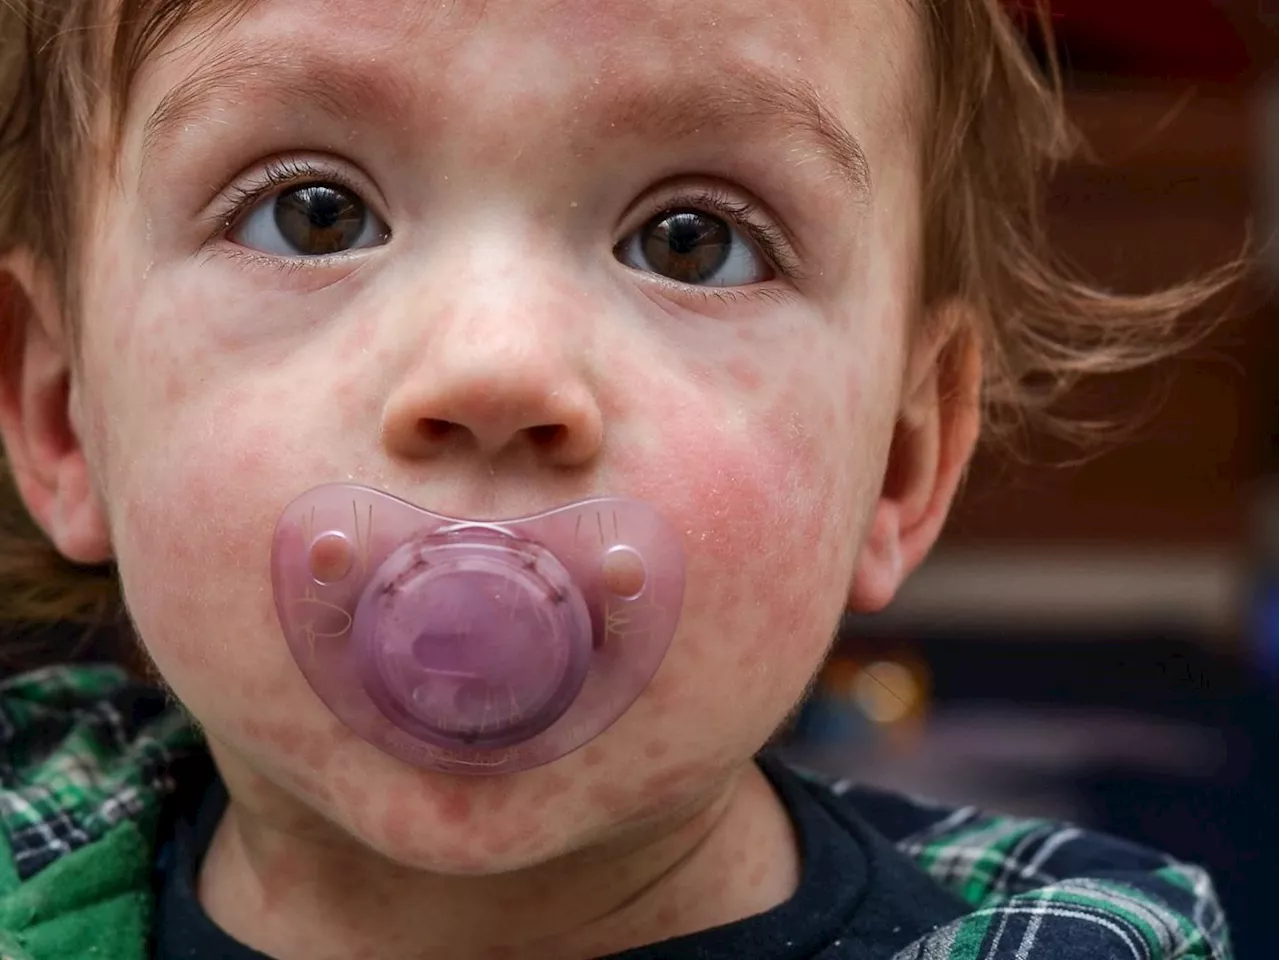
[{"x": 475, "y": 646}]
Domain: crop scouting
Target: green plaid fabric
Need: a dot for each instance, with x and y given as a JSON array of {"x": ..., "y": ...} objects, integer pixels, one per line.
[
  {"x": 86, "y": 754},
  {"x": 81, "y": 750},
  {"x": 1048, "y": 891}
]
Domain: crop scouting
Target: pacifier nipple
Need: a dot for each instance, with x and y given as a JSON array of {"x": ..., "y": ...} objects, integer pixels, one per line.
[
  {"x": 473, "y": 637},
  {"x": 468, "y": 646}
]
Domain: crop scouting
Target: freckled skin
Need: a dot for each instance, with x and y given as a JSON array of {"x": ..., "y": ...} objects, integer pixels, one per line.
[{"x": 758, "y": 426}]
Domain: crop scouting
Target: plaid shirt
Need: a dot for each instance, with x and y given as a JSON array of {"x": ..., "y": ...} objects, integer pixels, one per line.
[{"x": 86, "y": 760}]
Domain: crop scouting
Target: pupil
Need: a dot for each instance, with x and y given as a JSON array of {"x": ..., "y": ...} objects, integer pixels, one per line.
[
  {"x": 319, "y": 219},
  {"x": 687, "y": 246}
]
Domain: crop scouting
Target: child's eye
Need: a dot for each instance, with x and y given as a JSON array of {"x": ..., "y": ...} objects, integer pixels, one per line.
[
  {"x": 695, "y": 247},
  {"x": 309, "y": 220}
]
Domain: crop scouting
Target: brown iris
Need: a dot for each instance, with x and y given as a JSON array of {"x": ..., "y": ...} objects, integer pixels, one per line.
[
  {"x": 686, "y": 245},
  {"x": 320, "y": 218}
]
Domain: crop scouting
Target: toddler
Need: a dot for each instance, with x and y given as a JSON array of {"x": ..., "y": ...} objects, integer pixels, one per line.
[{"x": 478, "y": 416}]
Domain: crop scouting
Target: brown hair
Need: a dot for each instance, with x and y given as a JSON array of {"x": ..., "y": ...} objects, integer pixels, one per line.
[{"x": 996, "y": 127}]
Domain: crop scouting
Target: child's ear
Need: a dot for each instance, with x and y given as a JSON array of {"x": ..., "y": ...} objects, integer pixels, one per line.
[
  {"x": 37, "y": 421},
  {"x": 938, "y": 421}
]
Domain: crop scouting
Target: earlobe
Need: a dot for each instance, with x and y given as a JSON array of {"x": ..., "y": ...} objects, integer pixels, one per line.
[
  {"x": 880, "y": 564},
  {"x": 937, "y": 429},
  {"x": 42, "y": 441}
]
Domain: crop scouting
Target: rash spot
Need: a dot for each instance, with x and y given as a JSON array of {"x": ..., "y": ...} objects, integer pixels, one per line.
[
  {"x": 454, "y": 806},
  {"x": 656, "y": 749},
  {"x": 317, "y": 751},
  {"x": 745, "y": 374},
  {"x": 175, "y": 388},
  {"x": 658, "y": 785},
  {"x": 287, "y": 736}
]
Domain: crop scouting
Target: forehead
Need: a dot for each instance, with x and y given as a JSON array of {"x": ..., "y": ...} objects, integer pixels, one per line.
[
  {"x": 585, "y": 24},
  {"x": 863, "y": 55}
]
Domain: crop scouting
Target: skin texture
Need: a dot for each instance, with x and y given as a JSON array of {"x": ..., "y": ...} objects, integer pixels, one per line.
[{"x": 494, "y": 358}]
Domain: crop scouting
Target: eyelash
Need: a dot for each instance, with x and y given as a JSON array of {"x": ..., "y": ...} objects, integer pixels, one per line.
[
  {"x": 771, "y": 240},
  {"x": 274, "y": 176}
]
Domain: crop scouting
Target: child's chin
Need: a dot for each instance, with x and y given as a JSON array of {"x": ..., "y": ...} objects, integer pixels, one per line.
[
  {"x": 459, "y": 825},
  {"x": 483, "y": 826}
]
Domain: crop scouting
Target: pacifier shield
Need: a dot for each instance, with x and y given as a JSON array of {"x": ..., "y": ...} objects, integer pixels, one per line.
[{"x": 475, "y": 646}]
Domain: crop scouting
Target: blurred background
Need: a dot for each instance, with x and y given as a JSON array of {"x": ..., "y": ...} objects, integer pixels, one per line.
[{"x": 1097, "y": 641}]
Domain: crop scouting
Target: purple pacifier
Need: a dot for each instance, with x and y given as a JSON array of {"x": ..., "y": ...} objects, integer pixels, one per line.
[{"x": 475, "y": 646}]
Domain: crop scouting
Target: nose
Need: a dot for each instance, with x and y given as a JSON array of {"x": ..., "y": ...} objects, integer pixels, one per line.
[{"x": 485, "y": 389}]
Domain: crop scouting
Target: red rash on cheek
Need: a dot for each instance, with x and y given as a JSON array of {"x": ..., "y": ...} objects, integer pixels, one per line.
[
  {"x": 745, "y": 374},
  {"x": 758, "y": 502},
  {"x": 175, "y": 388}
]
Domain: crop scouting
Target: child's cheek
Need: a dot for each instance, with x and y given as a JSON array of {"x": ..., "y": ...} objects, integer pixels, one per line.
[{"x": 763, "y": 484}]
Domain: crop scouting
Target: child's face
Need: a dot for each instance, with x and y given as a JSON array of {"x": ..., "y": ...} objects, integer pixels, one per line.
[{"x": 502, "y": 339}]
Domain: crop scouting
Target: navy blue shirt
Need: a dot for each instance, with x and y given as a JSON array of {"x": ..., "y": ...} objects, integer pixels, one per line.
[
  {"x": 882, "y": 876},
  {"x": 858, "y": 896}
]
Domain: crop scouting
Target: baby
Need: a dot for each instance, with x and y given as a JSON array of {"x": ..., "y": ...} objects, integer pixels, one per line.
[{"x": 483, "y": 413}]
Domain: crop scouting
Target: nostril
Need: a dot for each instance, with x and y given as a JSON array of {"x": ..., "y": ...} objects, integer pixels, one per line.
[
  {"x": 548, "y": 434},
  {"x": 432, "y": 429},
  {"x": 435, "y": 432}
]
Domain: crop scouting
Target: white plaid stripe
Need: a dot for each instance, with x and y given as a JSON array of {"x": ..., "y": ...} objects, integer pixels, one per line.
[
  {"x": 978, "y": 854},
  {"x": 1135, "y": 946}
]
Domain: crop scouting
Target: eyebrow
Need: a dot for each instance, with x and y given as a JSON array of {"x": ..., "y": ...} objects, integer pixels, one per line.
[
  {"x": 740, "y": 97},
  {"x": 236, "y": 72},
  {"x": 748, "y": 97}
]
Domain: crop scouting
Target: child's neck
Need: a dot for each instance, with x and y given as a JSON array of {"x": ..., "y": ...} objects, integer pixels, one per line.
[{"x": 295, "y": 897}]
